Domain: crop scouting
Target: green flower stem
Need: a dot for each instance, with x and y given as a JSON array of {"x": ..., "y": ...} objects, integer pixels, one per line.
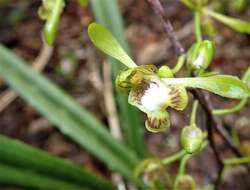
[
  {"x": 234, "y": 109},
  {"x": 235, "y": 137},
  {"x": 193, "y": 113},
  {"x": 179, "y": 64},
  {"x": 182, "y": 167},
  {"x": 197, "y": 22},
  {"x": 237, "y": 161},
  {"x": 174, "y": 157}
]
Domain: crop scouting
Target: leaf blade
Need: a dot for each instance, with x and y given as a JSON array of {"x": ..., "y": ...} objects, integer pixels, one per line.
[
  {"x": 27, "y": 179},
  {"x": 106, "y": 42},
  {"x": 18, "y": 154},
  {"x": 66, "y": 114},
  {"x": 223, "y": 85},
  {"x": 108, "y": 14}
]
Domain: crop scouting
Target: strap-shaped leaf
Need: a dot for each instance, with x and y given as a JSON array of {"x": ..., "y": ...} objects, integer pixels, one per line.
[
  {"x": 106, "y": 42},
  {"x": 18, "y": 154},
  {"x": 20, "y": 177},
  {"x": 108, "y": 14},
  {"x": 73, "y": 120},
  {"x": 223, "y": 85},
  {"x": 236, "y": 24}
]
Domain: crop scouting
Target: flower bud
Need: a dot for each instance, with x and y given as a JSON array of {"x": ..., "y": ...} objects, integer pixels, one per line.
[
  {"x": 200, "y": 55},
  {"x": 191, "y": 139},
  {"x": 132, "y": 77},
  {"x": 150, "y": 170},
  {"x": 185, "y": 182},
  {"x": 165, "y": 71}
]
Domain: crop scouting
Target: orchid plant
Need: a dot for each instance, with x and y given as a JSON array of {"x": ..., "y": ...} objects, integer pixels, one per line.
[{"x": 154, "y": 90}]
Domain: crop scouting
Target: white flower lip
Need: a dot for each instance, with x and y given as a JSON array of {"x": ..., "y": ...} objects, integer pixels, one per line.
[{"x": 155, "y": 97}]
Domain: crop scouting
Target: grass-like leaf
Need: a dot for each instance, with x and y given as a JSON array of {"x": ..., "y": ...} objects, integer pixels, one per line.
[
  {"x": 18, "y": 154},
  {"x": 106, "y": 42},
  {"x": 223, "y": 85},
  {"x": 236, "y": 24},
  {"x": 108, "y": 14},
  {"x": 65, "y": 113},
  {"x": 30, "y": 180}
]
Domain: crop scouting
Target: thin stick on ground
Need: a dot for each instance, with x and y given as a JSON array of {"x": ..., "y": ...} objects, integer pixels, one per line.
[{"x": 112, "y": 115}]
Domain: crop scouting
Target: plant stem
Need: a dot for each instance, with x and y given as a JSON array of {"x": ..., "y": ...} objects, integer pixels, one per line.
[
  {"x": 237, "y": 161},
  {"x": 179, "y": 64},
  {"x": 174, "y": 157},
  {"x": 234, "y": 109},
  {"x": 182, "y": 166},
  {"x": 193, "y": 113},
  {"x": 197, "y": 21}
]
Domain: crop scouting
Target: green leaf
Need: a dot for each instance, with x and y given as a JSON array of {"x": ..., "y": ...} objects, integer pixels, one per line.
[
  {"x": 18, "y": 154},
  {"x": 107, "y": 43},
  {"x": 108, "y": 14},
  {"x": 30, "y": 180},
  {"x": 67, "y": 115},
  {"x": 236, "y": 24},
  {"x": 83, "y": 2},
  {"x": 241, "y": 104},
  {"x": 223, "y": 85}
]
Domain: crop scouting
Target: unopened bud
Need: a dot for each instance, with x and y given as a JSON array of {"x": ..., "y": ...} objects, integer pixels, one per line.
[
  {"x": 165, "y": 71},
  {"x": 185, "y": 182},
  {"x": 150, "y": 170},
  {"x": 191, "y": 139},
  {"x": 200, "y": 55}
]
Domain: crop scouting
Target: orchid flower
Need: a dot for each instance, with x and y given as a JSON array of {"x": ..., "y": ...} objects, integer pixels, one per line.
[{"x": 154, "y": 90}]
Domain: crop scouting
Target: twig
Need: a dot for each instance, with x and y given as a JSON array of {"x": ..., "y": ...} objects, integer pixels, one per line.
[
  {"x": 39, "y": 64},
  {"x": 158, "y": 9},
  {"x": 109, "y": 101},
  {"x": 112, "y": 116},
  {"x": 210, "y": 122},
  {"x": 215, "y": 122}
]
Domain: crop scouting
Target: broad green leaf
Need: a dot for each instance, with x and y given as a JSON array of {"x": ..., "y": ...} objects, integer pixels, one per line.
[
  {"x": 106, "y": 42},
  {"x": 223, "y": 85},
  {"x": 236, "y": 24},
  {"x": 67, "y": 115},
  {"x": 18, "y": 154},
  {"x": 108, "y": 14},
  {"x": 30, "y": 180}
]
